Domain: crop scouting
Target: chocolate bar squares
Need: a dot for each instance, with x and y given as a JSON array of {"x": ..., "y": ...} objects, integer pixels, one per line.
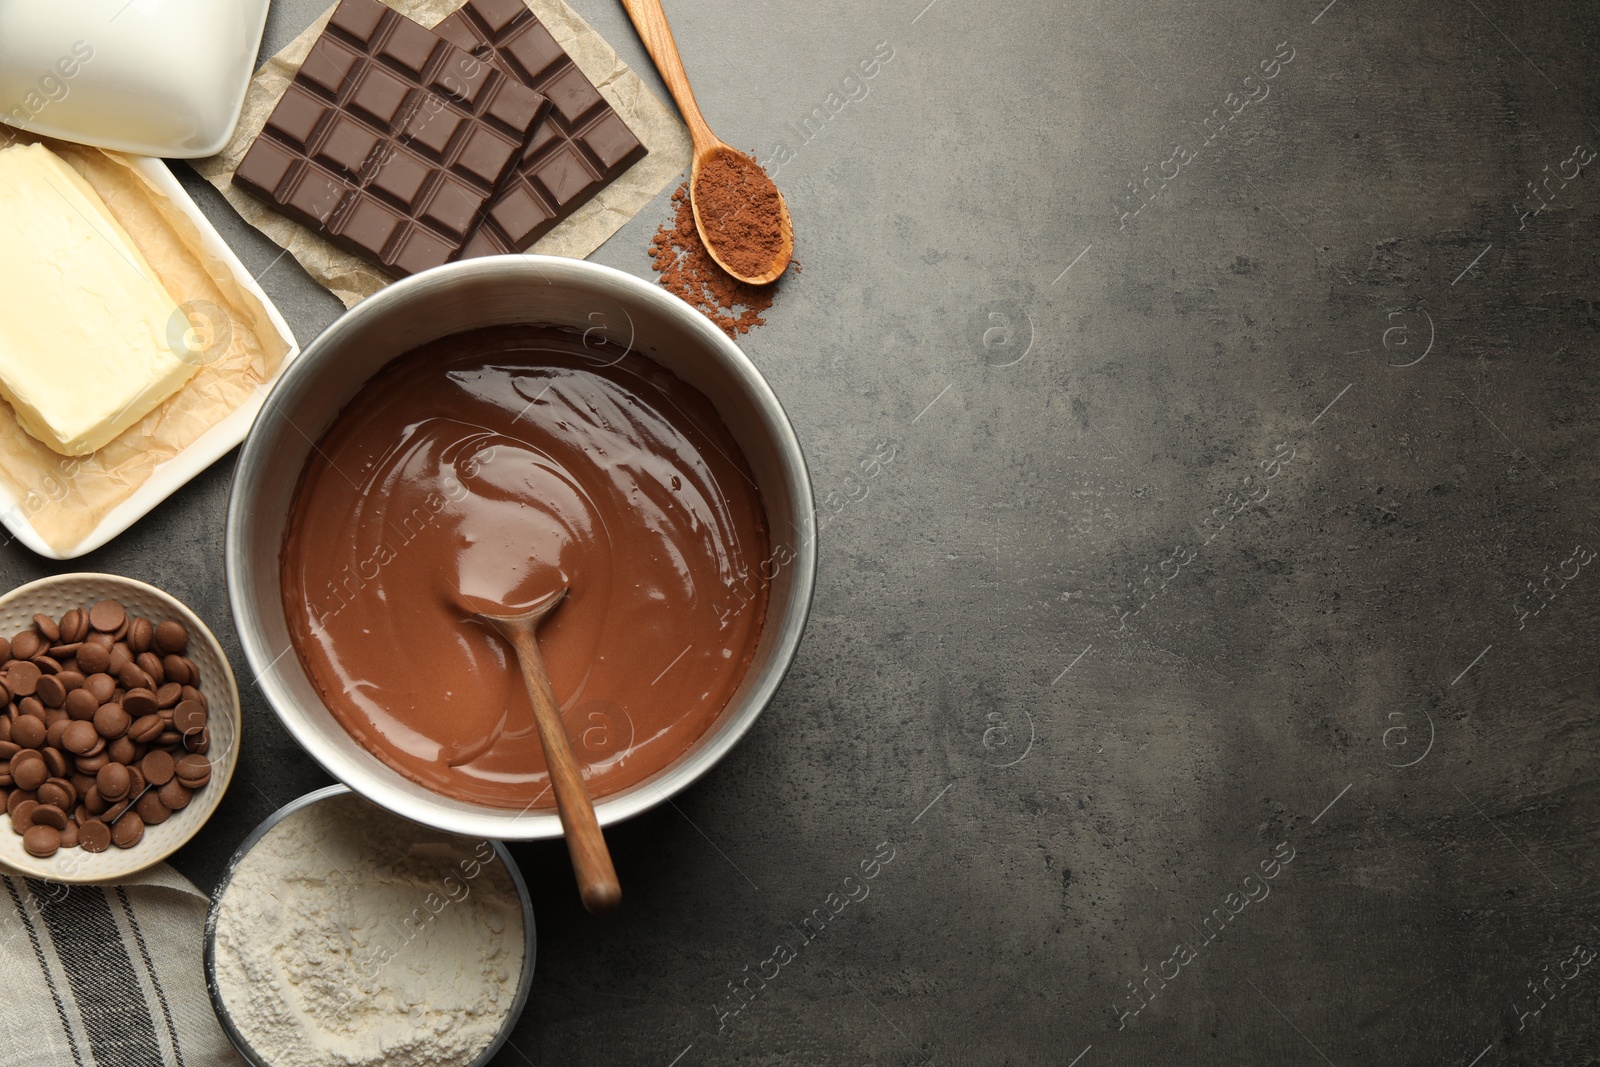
[
  {"x": 580, "y": 145},
  {"x": 391, "y": 141}
]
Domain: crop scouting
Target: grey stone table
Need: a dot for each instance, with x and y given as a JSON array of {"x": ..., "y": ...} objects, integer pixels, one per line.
[{"x": 1210, "y": 675}]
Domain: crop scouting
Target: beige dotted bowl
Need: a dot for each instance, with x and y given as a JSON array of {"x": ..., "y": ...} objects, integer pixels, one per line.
[{"x": 53, "y": 596}]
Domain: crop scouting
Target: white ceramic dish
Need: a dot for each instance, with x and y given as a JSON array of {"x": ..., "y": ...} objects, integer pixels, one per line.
[
  {"x": 54, "y": 596},
  {"x": 151, "y": 77},
  {"x": 210, "y": 446}
]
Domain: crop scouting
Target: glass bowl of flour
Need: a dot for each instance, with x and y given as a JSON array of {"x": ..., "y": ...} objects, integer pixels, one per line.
[{"x": 342, "y": 934}]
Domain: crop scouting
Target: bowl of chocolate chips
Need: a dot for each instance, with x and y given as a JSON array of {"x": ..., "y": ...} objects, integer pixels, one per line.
[{"x": 120, "y": 727}]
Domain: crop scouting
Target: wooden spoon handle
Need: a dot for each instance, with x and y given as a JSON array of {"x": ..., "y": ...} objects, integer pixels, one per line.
[
  {"x": 651, "y": 22},
  {"x": 591, "y": 860}
]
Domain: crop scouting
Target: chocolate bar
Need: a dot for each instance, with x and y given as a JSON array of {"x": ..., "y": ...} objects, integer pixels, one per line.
[
  {"x": 579, "y": 147},
  {"x": 391, "y": 141}
]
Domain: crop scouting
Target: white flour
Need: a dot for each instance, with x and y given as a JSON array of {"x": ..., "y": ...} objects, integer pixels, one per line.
[{"x": 351, "y": 937}]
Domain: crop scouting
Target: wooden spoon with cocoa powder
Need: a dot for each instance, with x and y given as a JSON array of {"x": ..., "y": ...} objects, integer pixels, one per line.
[{"x": 738, "y": 210}]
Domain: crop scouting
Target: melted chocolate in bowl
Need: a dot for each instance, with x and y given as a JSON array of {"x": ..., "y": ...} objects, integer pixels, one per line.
[{"x": 482, "y": 472}]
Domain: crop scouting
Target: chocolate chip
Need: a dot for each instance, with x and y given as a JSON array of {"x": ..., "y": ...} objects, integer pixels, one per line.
[
  {"x": 127, "y": 830},
  {"x": 26, "y": 645},
  {"x": 52, "y": 734},
  {"x": 151, "y": 810},
  {"x": 22, "y": 815},
  {"x": 169, "y": 695},
  {"x": 44, "y": 841},
  {"x": 46, "y": 664},
  {"x": 101, "y": 686},
  {"x": 94, "y": 836},
  {"x": 140, "y": 633},
  {"x": 122, "y": 750},
  {"x": 94, "y": 658},
  {"x": 81, "y": 703},
  {"x": 107, "y": 616},
  {"x": 69, "y": 835},
  {"x": 92, "y": 764},
  {"x": 198, "y": 741},
  {"x": 188, "y": 715},
  {"x": 70, "y": 679},
  {"x": 150, "y": 663},
  {"x": 55, "y": 762},
  {"x": 75, "y": 625},
  {"x": 18, "y": 796},
  {"x": 193, "y": 770},
  {"x": 158, "y": 767},
  {"x": 113, "y": 782},
  {"x": 23, "y": 678},
  {"x": 9, "y": 749},
  {"x": 146, "y": 728},
  {"x": 131, "y": 677},
  {"x": 28, "y": 731},
  {"x": 30, "y": 774},
  {"x": 172, "y": 638},
  {"x": 59, "y": 793},
  {"x": 49, "y": 815},
  {"x": 81, "y": 738},
  {"x": 47, "y": 628},
  {"x": 52, "y": 692},
  {"x": 175, "y": 795},
  {"x": 140, "y": 702},
  {"x": 5, "y": 649},
  {"x": 177, "y": 668},
  {"x": 31, "y": 706},
  {"x": 112, "y": 720}
]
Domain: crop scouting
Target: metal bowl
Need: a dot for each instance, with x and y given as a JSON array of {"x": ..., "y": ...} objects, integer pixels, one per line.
[
  {"x": 518, "y": 1001},
  {"x": 605, "y": 303}
]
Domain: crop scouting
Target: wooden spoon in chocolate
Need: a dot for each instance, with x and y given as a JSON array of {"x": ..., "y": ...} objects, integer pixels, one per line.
[
  {"x": 738, "y": 210},
  {"x": 591, "y": 860}
]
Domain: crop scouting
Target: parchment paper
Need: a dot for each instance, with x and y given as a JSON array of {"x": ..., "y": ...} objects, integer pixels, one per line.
[
  {"x": 66, "y": 497},
  {"x": 351, "y": 278}
]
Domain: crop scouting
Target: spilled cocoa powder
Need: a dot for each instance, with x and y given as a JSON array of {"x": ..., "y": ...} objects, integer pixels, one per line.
[{"x": 687, "y": 269}]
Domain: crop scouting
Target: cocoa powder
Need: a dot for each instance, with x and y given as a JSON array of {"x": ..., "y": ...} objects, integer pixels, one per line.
[
  {"x": 740, "y": 211},
  {"x": 687, "y": 269}
]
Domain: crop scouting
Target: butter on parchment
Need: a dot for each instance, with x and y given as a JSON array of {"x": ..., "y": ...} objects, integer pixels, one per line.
[{"x": 87, "y": 332}]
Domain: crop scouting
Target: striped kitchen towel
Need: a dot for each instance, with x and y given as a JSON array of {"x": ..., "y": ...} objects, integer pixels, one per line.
[{"x": 107, "y": 976}]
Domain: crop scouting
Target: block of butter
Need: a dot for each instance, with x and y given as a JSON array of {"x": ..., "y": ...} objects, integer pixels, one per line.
[{"x": 90, "y": 341}]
